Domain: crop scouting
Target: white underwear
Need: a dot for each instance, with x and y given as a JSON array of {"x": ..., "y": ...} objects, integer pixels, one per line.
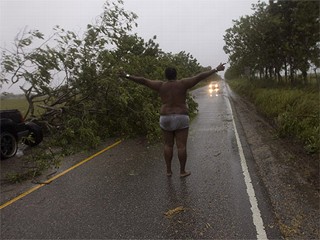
[{"x": 173, "y": 122}]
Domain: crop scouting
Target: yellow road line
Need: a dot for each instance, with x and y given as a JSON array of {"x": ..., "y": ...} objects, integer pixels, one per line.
[{"x": 57, "y": 176}]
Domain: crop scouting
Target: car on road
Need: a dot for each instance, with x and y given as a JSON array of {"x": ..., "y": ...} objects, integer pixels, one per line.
[
  {"x": 13, "y": 128},
  {"x": 213, "y": 87}
]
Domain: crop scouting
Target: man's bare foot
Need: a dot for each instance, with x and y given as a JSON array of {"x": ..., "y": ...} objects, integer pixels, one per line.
[{"x": 185, "y": 174}]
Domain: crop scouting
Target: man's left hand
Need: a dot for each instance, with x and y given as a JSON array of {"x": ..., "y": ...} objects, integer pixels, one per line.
[
  {"x": 122, "y": 74},
  {"x": 220, "y": 67}
]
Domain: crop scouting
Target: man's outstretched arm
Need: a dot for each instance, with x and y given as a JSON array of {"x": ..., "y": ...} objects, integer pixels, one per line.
[
  {"x": 153, "y": 84},
  {"x": 192, "y": 81}
]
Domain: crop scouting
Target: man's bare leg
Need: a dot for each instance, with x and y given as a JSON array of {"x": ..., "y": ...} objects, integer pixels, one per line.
[
  {"x": 168, "y": 149},
  {"x": 181, "y": 140}
]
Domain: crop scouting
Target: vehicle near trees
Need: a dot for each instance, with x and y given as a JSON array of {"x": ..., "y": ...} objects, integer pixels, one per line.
[{"x": 13, "y": 129}]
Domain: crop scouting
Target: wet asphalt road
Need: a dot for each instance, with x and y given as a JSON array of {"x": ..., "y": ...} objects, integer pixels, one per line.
[{"x": 124, "y": 192}]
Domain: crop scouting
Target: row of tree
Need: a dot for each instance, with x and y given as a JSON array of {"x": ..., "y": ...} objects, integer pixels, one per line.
[
  {"x": 280, "y": 40},
  {"x": 74, "y": 79}
]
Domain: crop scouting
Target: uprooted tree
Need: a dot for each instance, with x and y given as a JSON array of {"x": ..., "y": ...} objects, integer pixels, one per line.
[{"x": 71, "y": 82}]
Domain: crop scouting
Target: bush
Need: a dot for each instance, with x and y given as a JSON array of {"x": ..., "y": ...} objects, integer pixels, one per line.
[{"x": 295, "y": 112}]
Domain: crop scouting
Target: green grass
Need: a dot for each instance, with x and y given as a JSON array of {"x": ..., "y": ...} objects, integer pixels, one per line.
[
  {"x": 14, "y": 103},
  {"x": 294, "y": 111},
  {"x": 19, "y": 103}
]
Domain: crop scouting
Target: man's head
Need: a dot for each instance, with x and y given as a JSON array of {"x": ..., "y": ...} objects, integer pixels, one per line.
[{"x": 171, "y": 73}]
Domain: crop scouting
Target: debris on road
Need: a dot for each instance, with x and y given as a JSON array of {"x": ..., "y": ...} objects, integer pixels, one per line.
[{"x": 172, "y": 212}]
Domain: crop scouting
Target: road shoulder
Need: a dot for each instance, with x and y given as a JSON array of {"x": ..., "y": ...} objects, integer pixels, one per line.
[
  {"x": 17, "y": 165},
  {"x": 289, "y": 176}
]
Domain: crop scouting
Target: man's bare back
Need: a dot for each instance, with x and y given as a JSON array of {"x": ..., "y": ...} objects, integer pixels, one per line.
[
  {"x": 174, "y": 119},
  {"x": 173, "y": 96},
  {"x": 173, "y": 93}
]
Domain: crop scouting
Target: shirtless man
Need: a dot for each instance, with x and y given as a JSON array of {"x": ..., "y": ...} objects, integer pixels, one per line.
[{"x": 174, "y": 118}]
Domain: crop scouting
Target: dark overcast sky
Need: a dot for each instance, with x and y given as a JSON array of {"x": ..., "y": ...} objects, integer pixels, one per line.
[{"x": 193, "y": 26}]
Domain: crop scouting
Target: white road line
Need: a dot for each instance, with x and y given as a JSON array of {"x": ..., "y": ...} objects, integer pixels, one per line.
[{"x": 256, "y": 214}]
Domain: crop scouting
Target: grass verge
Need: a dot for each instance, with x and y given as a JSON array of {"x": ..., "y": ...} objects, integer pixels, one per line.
[{"x": 294, "y": 111}]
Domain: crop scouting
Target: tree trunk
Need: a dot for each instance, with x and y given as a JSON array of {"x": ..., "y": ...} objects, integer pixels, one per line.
[
  {"x": 304, "y": 75},
  {"x": 286, "y": 72},
  {"x": 317, "y": 78}
]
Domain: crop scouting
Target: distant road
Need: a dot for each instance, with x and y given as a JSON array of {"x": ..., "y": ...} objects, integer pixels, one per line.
[{"x": 124, "y": 192}]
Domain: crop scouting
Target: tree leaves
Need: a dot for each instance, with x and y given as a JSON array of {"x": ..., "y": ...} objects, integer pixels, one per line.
[
  {"x": 281, "y": 36},
  {"x": 74, "y": 79}
]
